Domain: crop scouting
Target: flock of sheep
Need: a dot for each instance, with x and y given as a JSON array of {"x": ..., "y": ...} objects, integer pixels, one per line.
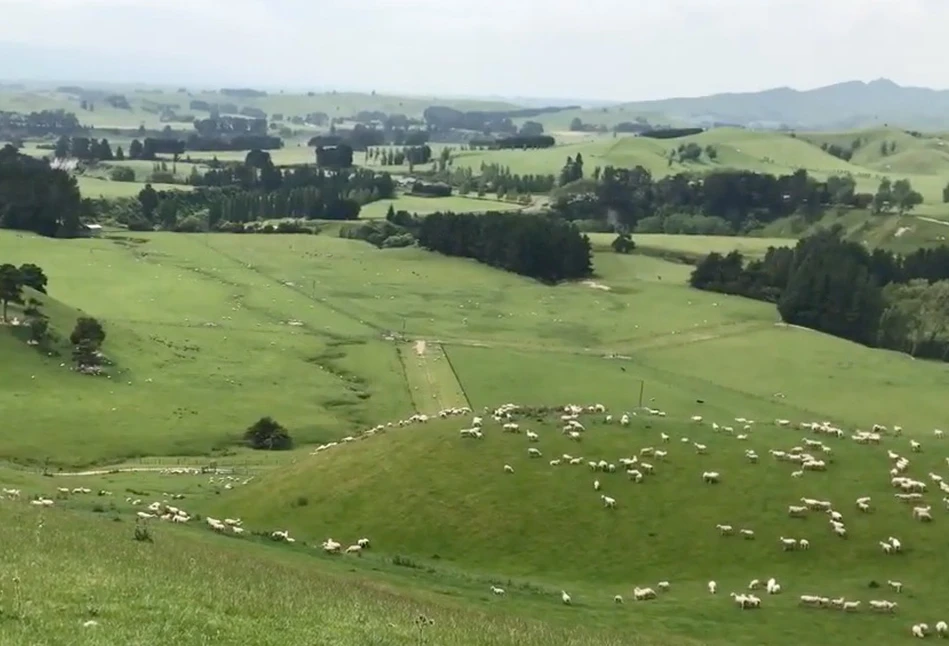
[{"x": 811, "y": 454}]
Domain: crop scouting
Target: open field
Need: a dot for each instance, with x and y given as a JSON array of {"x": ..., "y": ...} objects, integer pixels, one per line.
[
  {"x": 100, "y": 187},
  {"x": 425, "y": 205},
  {"x": 331, "y": 337}
]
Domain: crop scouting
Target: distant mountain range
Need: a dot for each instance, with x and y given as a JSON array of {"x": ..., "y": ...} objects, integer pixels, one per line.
[{"x": 850, "y": 105}]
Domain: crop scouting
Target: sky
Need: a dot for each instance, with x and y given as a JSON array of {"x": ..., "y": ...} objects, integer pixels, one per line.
[{"x": 623, "y": 50}]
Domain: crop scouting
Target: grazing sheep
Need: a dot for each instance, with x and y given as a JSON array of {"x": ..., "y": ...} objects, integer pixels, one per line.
[
  {"x": 596, "y": 485},
  {"x": 916, "y": 446},
  {"x": 754, "y": 585},
  {"x": 354, "y": 549},
  {"x": 919, "y": 630},
  {"x": 534, "y": 453},
  {"x": 498, "y": 591},
  {"x": 508, "y": 468},
  {"x": 555, "y": 463},
  {"x": 663, "y": 586},
  {"x": 617, "y": 598},
  {"x": 942, "y": 629},
  {"x": 788, "y": 543},
  {"x": 701, "y": 449},
  {"x": 896, "y": 585},
  {"x": 804, "y": 544},
  {"x": 665, "y": 438},
  {"x": 712, "y": 587},
  {"x": 609, "y": 503},
  {"x": 532, "y": 436},
  {"x": 724, "y": 530},
  {"x": 363, "y": 543},
  {"x": 711, "y": 477},
  {"x": 565, "y": 598},
  {"x": 747, "y": 534},
  {"x": 642, "y": 594}
]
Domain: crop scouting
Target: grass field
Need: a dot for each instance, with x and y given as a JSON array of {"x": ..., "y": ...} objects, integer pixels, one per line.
[
  {"x": 332, "y": 337},
  {"x": 426, "y": 205}
]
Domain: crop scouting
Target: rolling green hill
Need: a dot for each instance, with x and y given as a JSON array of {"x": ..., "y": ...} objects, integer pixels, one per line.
[{"x": 332, "y": 337}]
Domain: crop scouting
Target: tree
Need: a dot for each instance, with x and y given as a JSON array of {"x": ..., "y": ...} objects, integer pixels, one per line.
[
  {"x": 61, "y": 151},
  {"x": 39, "y": 328},
  {"x": 119, "y": 154},
  {"x": 33, "y": 277},
  {"x": 88, "y": 330},
  {"x": 268, "y": 435},
  {"x": 135, "y": 149},
  {"x": 623, "y": 243},
  {"x": 904, "y": 197},
  {"x": 11, "y": 287},
  {"x": 148, "y": 198}
]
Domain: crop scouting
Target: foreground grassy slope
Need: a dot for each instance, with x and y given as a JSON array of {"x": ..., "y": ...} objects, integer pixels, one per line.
[
  {"x": 63, "y": 569},
  {"x": 426, "y": 493}
]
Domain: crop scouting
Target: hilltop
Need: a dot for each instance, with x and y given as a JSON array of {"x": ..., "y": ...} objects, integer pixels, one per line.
[{"x": 847, "y": 105}]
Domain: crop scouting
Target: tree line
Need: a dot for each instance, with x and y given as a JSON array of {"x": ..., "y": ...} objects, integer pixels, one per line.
[
  {"x": 255, "y": 190},
  {"x": 878, "y": 298},
  {"x": 541, "y": 247},
  {"x": 16, "y": 125},
  {"x": 36, "y": 197},
  {"x": 631, "y": 199}
]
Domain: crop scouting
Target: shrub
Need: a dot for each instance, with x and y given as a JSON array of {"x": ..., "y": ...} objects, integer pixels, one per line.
[
  {"x": 623, "y": 243},
  {"x": 122, "y": 174},
  {"x": 268, "y": 435}
]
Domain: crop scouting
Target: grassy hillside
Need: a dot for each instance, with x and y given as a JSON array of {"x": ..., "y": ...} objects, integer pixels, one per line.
[
  {"x": 918, "y": 159},
  {"x": 64, "y": 569},
  {"x": 547, "y": 524},
  {"x": 311, "y": 316}
]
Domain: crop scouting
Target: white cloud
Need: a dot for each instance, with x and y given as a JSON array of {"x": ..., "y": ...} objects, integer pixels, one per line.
[{"x": 624, "y": 49}]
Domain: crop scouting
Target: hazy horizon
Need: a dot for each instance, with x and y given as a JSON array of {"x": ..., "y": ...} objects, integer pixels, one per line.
[{"x": 524, "y": 48}]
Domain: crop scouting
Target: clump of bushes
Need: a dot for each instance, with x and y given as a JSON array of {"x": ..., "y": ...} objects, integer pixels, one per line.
[
  {"x": 267, "y": 434},
  {"x": 380, "y": 233}
]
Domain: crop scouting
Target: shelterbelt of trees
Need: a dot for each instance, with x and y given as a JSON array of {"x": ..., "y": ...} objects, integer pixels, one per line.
[
  {"x": 828, "y": 284},
  {"x": 734, "y": 201}
]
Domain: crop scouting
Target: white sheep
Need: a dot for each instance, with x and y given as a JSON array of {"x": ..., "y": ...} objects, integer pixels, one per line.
[
  {"x": 942, "y": 629},
  {"x": 354, "y": 549},
  {"x": 609, "y": 503},
  {"x": 919, "y": 630},
  {"x": 565, "y": 598},
  {"x": 754, "y": 585},
  {"x": 712, "y": 587},
  {"x": 663, "y": 586},
  {"x": 747, "y": 534},
  {"x": 596, "y": 485},
  {"x": 532, "y": 436},
  {"x": 617, "y": 598},
  {"x": 804, "y": 544},
  {"x": 555, "y": 463},
  {"x": 363, "y": 543},
  {"x": 896, "y": 585},
  {"x": 916, "y": 446},
  {"x": 665, "y": 438},
  {"x": 496, "y": 590},
  {"x": 508, "y": 468},
  {"x": 788, "y": 543},
  {"x": 711, "y": 477},
  {"x": 534, "y": 453},
  {"x": 724, "y": 530}
]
